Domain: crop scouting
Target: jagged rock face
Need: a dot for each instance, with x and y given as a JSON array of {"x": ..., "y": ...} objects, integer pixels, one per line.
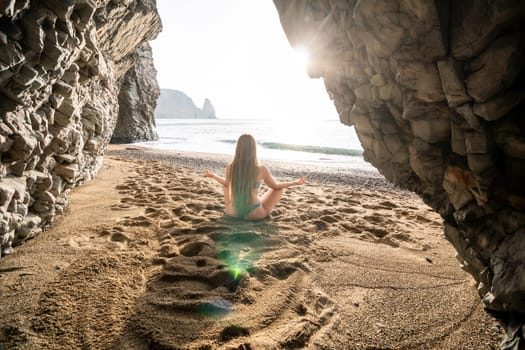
[
  {"x": 137, "y": 99},
  {"x": 61, "y": 62},
  {"x": 436, "y": 92}
]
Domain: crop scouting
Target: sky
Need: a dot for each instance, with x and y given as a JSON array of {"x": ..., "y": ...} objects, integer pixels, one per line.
[{"x": 235, "y": 53}]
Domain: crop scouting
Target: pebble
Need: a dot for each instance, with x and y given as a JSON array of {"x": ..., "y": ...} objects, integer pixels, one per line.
[{"x": 495, "y": 329}]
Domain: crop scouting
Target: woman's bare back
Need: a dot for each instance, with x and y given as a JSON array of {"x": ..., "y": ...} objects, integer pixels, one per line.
[{"x": 258, "y": 207}]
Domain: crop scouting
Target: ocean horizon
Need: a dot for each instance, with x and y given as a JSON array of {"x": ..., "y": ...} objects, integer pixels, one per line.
[{"x": 319, "y": 142}]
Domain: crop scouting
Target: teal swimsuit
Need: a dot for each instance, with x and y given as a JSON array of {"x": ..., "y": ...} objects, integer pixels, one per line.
[{"x": 251, "y": 208}]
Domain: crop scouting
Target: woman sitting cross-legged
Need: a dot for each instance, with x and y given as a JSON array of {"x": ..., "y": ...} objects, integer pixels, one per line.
[{"x": 244, "y": 176}]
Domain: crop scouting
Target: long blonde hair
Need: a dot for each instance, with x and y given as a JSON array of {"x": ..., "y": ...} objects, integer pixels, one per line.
[{"x": 243, "y": 173}]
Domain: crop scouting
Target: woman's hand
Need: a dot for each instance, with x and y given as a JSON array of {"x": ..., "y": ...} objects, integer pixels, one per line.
[
  {"x": 301, "y": 181},
  {"x": 215, "y": 177}
]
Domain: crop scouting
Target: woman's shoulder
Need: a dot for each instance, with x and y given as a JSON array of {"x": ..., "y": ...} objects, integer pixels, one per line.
[{"x": 262, "y": 169}]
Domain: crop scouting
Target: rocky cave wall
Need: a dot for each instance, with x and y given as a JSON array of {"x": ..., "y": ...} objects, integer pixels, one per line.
[
  {"x": 62, "y": 63},
  {"x": 435, "y": 90},
  {"x": 137, "y": 100}
]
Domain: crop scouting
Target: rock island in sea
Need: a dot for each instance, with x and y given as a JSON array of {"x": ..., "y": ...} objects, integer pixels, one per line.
[{"x": 176, "y": 104}]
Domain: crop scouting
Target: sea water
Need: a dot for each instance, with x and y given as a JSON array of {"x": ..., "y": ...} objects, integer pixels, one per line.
[{"x": 319, "y": 142}]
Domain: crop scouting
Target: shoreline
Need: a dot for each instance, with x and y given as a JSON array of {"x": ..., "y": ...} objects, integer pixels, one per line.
[
  {"x": 279, "y": 168},
  {"x": 145, "y": 258}
]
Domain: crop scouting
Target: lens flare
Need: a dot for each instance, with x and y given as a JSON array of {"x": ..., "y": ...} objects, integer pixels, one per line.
[
  {"x": 237, "y": 259},
  {"x": 215, "y": 309},
  {"x": 237, "y": 252}
]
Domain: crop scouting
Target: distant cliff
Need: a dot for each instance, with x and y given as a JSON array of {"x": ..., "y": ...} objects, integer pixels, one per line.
[{"x": 176, "y": 104}]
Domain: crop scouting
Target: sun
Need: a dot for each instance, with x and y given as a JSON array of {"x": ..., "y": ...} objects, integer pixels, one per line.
[{"x": 301, "y": 56}]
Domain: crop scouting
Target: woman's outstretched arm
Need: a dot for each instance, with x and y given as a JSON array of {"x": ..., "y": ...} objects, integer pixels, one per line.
[
  {"x": 216, "y": 177},
  {"x": 269, "y": 180}
]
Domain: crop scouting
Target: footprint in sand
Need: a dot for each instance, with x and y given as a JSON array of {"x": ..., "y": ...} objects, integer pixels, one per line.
[
  {"x": 180, "y": 209},
  {"x": 206, "y": 192},
  {"x": 140, "y": 221},
  {"x": 351, "y": 228},
  {"x": 283, "y": 269},
  {"x": 402, "y": 236},
  {"x": 233, "y": 331},
  {"x": 348, "y": 210},
  {"x": 168, "y": 223},
  {"x": 157, "y": 213},
  {"x": 124, "y": 187},
  {"x": 378, "y": 232},
  {"x": 158, "y": 200},
  {"x": 154, "y": 189},
  {"x": 177, "y": 189},
  {"x": 329, "y": 219},
  {"x": 198, "y": 249},
  {"x": 373, "y": 206},
  {"x": 193, "y": 219},
  {"x": 388, "y": 205},
  {"x": 127, "y": 200},
  {"x": 214, "y": 207},
  {"x": 352, "y": 202},
  {"x": 187, "y": 217},
  {"x": 320, "y": 225},
  {"x": 308, "y": 216},
  {"x": 423, "y": 219},
  {"x": 374, "y": 219},
  {"x": 169, "y": 250},
  {"x": 178, "y": 198},
  {"x": 120, "y": 207},
  {"x": 195, "y": 207},
  {"x": 119, "y": 237}
]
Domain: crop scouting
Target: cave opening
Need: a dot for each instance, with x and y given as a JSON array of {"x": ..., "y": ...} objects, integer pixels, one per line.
[
  {"x": 434, "y": 90},
  {"x": 249, "y": 76}
]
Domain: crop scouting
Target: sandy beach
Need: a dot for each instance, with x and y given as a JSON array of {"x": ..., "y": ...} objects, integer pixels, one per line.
[{"x": 145, "y": 259}]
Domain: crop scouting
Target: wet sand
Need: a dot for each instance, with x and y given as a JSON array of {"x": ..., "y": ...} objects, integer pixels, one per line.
[{"x": 145, "y": 259}]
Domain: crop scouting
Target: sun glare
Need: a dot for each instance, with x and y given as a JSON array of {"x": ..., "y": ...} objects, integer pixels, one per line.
[
  {"x": 301, "y": 56},
  {"x": 235, "y": 69}
]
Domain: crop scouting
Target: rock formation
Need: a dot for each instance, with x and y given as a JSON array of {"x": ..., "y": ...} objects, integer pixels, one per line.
[
  {"x": 61, "y": 65},
  {"x": 137, "y": 99},
  {"x": 207, "y": 110},
  {"x": 176, "y": 104},
  {"x": 435, "y": 90}
]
